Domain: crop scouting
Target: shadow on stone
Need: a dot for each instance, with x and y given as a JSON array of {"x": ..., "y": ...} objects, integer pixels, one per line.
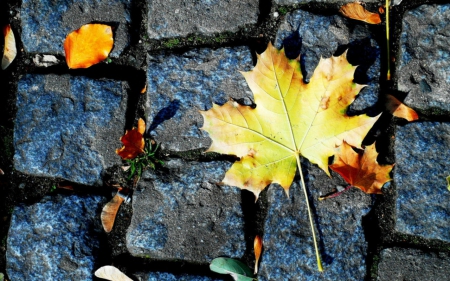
[{"x": 165, "y": 114}]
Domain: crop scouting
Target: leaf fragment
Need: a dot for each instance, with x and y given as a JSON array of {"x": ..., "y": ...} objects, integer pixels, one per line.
[
  {"x": 257, "y": 247},
  {"x": 10, "y": 50},
  {"x": 361, "y": 171},
  {"x": 357, "y": 12},
  {"x": 238, "y": 270},
  {"x": 399, "y": 109},
  {"x": 133, "y": 142},
  {"x": 448, "y": 183},
  {"x": 111, "y": 273},
  {"x": 88, "y": 45},
  {"x": 109, "y": 212}
]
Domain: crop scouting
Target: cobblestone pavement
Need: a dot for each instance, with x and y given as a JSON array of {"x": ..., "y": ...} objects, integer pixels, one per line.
[{"x": 59, "y": 130}]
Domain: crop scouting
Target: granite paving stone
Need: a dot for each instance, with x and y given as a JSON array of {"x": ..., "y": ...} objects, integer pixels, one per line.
[
  {"x": 55, "y": 239},
  {"x": 313, "y": 36},
  {"x": 184, "y": 215},
  {"x": 398, "y": 264},
  {"x": 288, "y": 245},
  {"x": 179, "y": 85},
  {"x": 165, "y": 276},
  {"x": 422, "y": 164},
  {"x": 425, "y": 58},
  {"x": 46, "y": 23},
  {"x": 68, "y": 127},
  {"x": 174, "y": 18}
]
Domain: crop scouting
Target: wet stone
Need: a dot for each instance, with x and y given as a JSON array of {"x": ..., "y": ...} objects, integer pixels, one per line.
[
  {"x": 165, "y": 276},
  {"x": 398, "y": 264},
  {"x": 423, "y": 203},
  {"x": 425, "y": 58},
  {"x": 55, "y": 239},
  {"x": 68, "y": 127},
  {"x": 46, "y": 23},
  {"x": 288, "y": 244},
  {"x": 313, "y": 36},
  {"x": 184, "y": 215},
  {"x": 179, "y": 85},
  {"x": 176, "y": 18}
]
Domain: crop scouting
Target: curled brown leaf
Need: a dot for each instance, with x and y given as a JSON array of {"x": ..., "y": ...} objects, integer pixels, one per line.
[
  {"x": 257, "y": 246},
  {"x": 357, "y": 12},
  {"x": 109, "y": 212}
]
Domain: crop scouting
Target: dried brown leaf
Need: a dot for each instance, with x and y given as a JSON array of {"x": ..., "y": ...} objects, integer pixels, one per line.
[
  {"x": 109, "y": 212},
  {"x": 257, "y": 246},
  {"x": 399, "y": 109},
  {"x": 357, "y": 12},
  {"x": 10, "y": 50}
]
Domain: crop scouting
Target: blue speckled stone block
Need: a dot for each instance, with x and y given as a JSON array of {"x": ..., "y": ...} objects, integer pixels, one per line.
[
  {"x": 46, "y": 23},
  {"x": 184, "y": 215},
  {"x": 68, "y": 127},
  {"x": 288, "y": 245},
  {"x": 422, "y": 152},
  {"x": 55, "y": 239},
  {"x": 314, "y": 36},
  {"x": 424, "y": 63},
  {"x": 179, "y": 85},
  {"x": 164, "y": 276}
]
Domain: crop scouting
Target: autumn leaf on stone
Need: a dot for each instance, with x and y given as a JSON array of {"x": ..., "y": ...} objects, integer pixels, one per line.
[
  {"x": 361, "y": 170},
  {"x": 10, "y": 50},
  {"x": 111, "y": 273},
  {"x": 291, "y": 119},
  {"x": 399, "y": 109},
  {"x": 109, "y": 212},
  {"x": 88, "y": 45},
  {"x": 133, "y": 142},
  {"x": 357, "y": 12}
]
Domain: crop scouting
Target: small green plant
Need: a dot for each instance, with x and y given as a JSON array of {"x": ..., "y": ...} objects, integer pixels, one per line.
[
  {"x": 172, "y": 43},
  {"x": 283, "y": 11},
  {"x": 53, "y": 188},
  {"x": 144, "y": 161}
]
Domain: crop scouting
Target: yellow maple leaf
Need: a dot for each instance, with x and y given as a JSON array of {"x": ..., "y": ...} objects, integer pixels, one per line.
[{"x": 291, "y": 119}]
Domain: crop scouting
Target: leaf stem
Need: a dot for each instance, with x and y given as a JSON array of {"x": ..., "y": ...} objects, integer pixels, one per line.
[
  {"x": 388, "y": 76},
  {"x": 319, "y": 261}
]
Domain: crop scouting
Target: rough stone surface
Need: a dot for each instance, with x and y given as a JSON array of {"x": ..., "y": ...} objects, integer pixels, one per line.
[
  {"x": 291, "y": 2},
  {"x": 422, "y": 164},
  {"x": 55, "y": 239},
  {"x": 46, "y": 23},
  {"x": 181, "y": 85},
  {"x": 398, "y": 264},
  {"x": 173, "y": 18},
  {"x": 184, "y": 215},
  {"x": 314, "y": 36},
  {"x": 425, "y": 58},
  {"x": 288, "y": 244},
  {"x": 68, "y": 127},
  {"x": 165, "y": 276}
]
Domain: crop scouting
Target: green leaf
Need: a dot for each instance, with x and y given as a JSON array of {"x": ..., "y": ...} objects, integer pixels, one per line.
[
  {"x": 448, "y": 183},
  {"x": 238, "y": 270}
]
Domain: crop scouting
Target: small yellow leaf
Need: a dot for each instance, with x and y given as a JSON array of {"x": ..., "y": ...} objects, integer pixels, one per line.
[
  {"x": 10, "y": 51},
  {"x": 109, "y": 212},
  {"x": 399, "y": 109},
  {"x": 257, "y": 246},
  {"x": 357, "y": 12},
  {"x": 111, "y": 273},
  {"x": 88, "y": 45}
]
